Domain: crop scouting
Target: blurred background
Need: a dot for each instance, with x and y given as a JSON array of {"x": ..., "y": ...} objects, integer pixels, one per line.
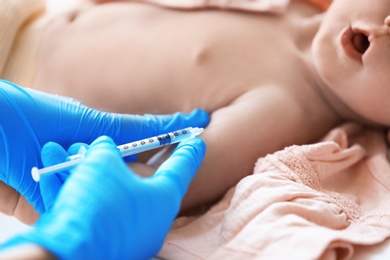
[{"x": 9, "y": 226}]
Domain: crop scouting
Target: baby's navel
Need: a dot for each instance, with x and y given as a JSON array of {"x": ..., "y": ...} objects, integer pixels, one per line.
[{"x": 200, "y": 56}]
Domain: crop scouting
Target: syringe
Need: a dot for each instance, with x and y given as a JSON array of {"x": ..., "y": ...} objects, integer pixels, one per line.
[{"x": 125, "y": 149}]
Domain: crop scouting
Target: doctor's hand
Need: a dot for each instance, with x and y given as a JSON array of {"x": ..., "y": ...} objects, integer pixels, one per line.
[
  {"x": 105, "y": 211},
  {"x": 30, "y": 118}
]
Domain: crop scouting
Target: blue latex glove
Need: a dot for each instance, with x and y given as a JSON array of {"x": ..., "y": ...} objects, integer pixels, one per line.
[
  {"x": 29, "y": 119},
  {"x": 104, "y": 211}
]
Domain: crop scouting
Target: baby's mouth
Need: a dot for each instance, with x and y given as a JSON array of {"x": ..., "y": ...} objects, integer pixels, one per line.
[{"x": 355, "y": 43}]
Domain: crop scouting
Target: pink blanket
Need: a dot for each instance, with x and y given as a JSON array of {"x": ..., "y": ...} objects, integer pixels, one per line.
[{"x": 321, "y": 201}]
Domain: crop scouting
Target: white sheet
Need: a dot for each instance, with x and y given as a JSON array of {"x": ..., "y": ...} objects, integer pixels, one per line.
[{"x": 9, "y": 227}]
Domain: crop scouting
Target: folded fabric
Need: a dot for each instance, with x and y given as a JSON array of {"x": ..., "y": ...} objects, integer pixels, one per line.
[{"x": 318, "y": 201}]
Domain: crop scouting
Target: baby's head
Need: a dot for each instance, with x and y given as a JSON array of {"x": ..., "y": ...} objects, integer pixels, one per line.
[{"x": 351, "y": 52}]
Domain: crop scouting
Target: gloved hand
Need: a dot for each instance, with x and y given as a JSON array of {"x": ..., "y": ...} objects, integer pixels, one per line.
[
  {"x": 104, "y": 211},
  {"x": 29, "y": 119}
]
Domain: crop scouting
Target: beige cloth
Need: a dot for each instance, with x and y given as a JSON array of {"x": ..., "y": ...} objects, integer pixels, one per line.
[
  {"x": 319, "y": 201},
  {"x": 19, "y": 32}
]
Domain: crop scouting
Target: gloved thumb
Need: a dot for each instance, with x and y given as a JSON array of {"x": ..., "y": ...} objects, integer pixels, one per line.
[{"x": 177, "y": 172}]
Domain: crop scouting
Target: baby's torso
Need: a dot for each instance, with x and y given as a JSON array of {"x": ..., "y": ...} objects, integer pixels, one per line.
[
  {"x": 152, "y": 60},
  {"x": 249, "y": 70}
]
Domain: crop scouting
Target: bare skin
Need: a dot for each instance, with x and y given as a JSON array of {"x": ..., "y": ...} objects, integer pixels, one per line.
[
  {"x": 229, "y": 67},
  {"x": 260, "y": 76},
  {"x": 28, "y": 251},
  {"x": 13, "y": 204}
]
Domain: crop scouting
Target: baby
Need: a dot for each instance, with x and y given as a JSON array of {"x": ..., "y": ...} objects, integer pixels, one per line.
[{"x": 268, "y": 81}]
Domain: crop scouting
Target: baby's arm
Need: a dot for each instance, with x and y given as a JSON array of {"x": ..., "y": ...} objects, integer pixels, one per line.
[{"x": 252, "y": 126}]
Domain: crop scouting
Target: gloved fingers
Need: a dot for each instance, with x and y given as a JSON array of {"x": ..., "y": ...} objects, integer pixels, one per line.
[
  {"x": 152, "y": 125},
  {"x": 103, "y": 143},
  {"x": 50, "y": 184},
  {"x": 53, "y": 153},
  {"x": 176, "y": 174},
  {"x": 104, "y": 155},
  {"x": 77, "y": 148}
]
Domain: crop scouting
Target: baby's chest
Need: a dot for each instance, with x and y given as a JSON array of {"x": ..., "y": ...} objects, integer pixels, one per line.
[
  {"x": 225, "y": 61},
  {"x": 171, "y": 61}
]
